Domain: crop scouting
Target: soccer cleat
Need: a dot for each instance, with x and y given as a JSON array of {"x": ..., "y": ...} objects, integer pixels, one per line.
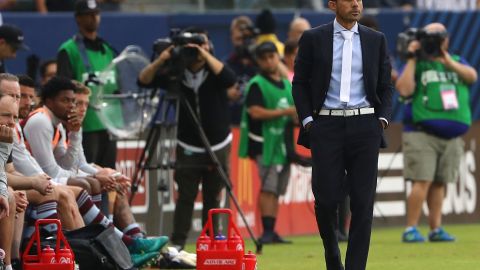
[
  {"x": 147, "y": 245},
  {"x": 140, "y": 260},
  {"x": 440, "y": 235},
  {"x": 412, "y": 235}
]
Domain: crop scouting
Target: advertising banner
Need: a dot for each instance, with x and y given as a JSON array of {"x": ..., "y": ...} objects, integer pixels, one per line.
[{"x": 296, "y": 213}]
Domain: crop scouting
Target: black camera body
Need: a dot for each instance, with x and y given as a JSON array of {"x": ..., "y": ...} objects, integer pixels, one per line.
[
  {"x": 181, "y": 55},
  {"x": 431, "y": 43}
]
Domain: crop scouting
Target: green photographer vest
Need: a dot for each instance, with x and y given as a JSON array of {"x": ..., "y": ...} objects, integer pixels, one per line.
[
  {"x": 432, "y": 79},
  {"x": 273, "y": 131},
  {"x": 99, "y": 62}
]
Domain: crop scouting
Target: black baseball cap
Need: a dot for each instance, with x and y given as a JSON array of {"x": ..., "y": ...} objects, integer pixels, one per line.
[
  {"x": 13, "y": 36},
  {"x": 265, "y": 47},
  {"x": 86, "y": 6}
]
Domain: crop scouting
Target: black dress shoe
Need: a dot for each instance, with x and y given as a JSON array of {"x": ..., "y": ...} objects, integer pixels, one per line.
[{"x": 334, "y": 263}]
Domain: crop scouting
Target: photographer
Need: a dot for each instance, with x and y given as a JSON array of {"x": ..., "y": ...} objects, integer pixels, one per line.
[
  {"x": 203, "y": 83},
  {"x": 242, "y": 35},
  {"x": 436, "y": 84}
]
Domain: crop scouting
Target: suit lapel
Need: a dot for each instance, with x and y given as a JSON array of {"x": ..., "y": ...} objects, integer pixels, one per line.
[
  {"x": 365, "y": 56},
  {"x": 328, "y": 45}
]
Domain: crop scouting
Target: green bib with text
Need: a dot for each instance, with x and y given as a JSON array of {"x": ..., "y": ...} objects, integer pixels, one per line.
[
  {"x": 273, "y": 131},
  {"x": 99, "y": 62}
]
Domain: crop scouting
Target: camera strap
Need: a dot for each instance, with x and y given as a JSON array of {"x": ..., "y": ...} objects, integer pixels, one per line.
[{"x": 78, "y": 38}]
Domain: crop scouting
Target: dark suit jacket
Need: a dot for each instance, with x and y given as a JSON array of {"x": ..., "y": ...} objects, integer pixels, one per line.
[{"x": 313, "y": 69}]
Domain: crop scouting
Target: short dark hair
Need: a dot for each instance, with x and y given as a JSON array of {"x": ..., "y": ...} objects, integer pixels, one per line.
[
  {"x": 25, "y": 80},
  {"x": 45, "y": 64},
  {"x": 56, "y": 85}
]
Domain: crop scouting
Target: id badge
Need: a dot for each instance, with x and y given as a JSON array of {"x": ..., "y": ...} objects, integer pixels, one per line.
[{"x": 449, "y": 97}]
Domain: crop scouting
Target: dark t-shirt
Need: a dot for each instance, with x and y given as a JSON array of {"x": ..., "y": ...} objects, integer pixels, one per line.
[
  {"x": 10, "y": 158},
  {"x": 255, "y": 98}
]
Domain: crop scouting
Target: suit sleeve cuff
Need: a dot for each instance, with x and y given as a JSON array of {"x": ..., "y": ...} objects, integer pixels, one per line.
[{"x": 307, "y": 120}]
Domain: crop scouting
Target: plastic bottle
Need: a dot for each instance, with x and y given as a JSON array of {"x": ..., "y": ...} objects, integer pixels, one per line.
[
  {"x": 48, "y": 255},
  {"x": 249, "y": 261},
  {"x": 64, "y": 256},
  {"x": 204, "y": 242},
  {"x": 220, "y": 242},
  {"x": 235, "y": 243}
]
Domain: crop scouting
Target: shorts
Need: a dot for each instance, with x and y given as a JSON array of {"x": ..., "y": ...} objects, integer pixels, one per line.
[
  {"x": 274, "y": 178},
  {"x": 430, "y": 158}
]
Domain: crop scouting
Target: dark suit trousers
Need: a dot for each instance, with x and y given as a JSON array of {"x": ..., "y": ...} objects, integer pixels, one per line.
[{"x": 345, "y": 144}]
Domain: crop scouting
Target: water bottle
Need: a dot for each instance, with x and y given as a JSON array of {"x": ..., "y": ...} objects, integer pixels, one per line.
[
  {"x": 249, "y": 261},
  {"x": 48, "y": 255},
  {"x": 64, "y": 256},
  {"x": 203, "y": 242},
  {"x": 235, "y": 243},
  {"x": 220, "y": 242}
]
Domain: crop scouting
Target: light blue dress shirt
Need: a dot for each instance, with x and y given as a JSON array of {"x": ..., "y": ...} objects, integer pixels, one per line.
[{"x": 358, "y": 97}]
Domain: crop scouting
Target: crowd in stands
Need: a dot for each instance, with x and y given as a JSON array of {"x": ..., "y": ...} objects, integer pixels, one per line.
[{"x": 44, "y": 6}]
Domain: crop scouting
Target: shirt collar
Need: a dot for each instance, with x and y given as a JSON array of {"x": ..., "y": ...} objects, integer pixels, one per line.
[
  {"x": 55, "y": 120},
  {"x": 337, "y": 28}
]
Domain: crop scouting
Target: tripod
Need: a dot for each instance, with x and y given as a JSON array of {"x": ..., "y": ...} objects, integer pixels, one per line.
[
  {"x": 162, "y": 134},
  {"x": 167, "y": 161}
]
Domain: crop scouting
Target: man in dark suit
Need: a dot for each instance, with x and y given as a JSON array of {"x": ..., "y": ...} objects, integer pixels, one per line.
[{"x": 342, "y": 93}]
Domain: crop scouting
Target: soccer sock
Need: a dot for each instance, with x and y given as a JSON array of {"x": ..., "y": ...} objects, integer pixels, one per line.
[
  {"x": 90, "y": 212},
  {"x": 48, "y": 210},
  {"x": 92, "y": 215},
  {"x": 268, "y": 224},
  {"x": 97, "y": 199},
  {"x": 408, "y": 229},
  {"x": 134, "y": 231},
  {"x": 30, "y": 216}
]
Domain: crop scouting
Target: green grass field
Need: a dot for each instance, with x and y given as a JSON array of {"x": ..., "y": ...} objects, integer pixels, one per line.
[{"x": 387, "y": 252}]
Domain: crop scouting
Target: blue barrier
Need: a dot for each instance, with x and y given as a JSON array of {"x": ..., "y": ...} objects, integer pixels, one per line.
[{"x": 44, "y": 33}]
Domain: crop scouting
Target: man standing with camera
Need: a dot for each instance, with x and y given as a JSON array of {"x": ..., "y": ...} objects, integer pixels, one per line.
[
  {"x": 81, "y": 58},
  {"x": 242, "y": 35},
  {"x": 437, "y": 84},
  {"x": 203, "y": 84}
]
